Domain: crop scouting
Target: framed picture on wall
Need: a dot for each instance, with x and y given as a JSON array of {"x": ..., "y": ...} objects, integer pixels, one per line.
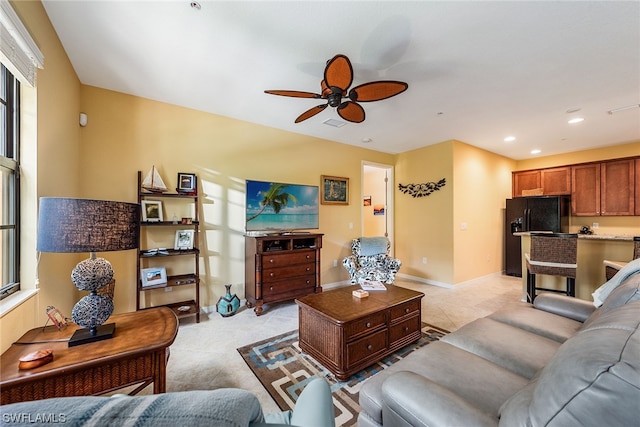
[
  {"x": 366, "y": 201},
  {"x": 334, "y": 190}
]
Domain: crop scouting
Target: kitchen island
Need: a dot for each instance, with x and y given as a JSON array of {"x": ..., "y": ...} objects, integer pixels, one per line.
[{"x": 593, "y": 249}]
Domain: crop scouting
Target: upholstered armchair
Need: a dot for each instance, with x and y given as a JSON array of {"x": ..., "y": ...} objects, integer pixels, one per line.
[{"x": 370, "y": 260}]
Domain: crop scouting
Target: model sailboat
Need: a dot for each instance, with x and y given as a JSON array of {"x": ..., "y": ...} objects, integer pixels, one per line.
[{"x": 153, "y": 182}]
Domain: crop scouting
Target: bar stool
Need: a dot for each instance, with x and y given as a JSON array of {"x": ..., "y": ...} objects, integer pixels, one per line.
[
  {"x": 612, "y": 267},
  {"x": 553, "y": 254}
]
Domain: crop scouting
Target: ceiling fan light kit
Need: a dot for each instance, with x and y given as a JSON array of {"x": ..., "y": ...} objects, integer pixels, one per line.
[{"x": 338, "y": 76}]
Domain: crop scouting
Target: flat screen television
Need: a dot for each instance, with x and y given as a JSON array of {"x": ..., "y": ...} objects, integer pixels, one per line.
[{"x": 281, "y": 207}]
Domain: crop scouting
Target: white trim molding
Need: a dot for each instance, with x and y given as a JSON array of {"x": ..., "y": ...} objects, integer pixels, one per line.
[{"x": 18, "y": 52}]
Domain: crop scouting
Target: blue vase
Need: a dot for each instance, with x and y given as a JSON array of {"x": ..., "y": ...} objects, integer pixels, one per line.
[{"x": 228, "y": 305}]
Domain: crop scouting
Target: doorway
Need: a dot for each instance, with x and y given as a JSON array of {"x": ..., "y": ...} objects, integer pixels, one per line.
[{"x": 377, "y": 200}]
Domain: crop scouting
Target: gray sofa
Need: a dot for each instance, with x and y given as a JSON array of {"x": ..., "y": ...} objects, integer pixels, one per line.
[
  {"x": 558, "y": 362},
  {"x": 225, "y": 407}
]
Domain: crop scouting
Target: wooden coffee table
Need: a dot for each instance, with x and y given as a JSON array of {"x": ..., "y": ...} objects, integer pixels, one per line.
[
  {"x": 346, "y": 334},
  {"x": 136, "y": 355}
]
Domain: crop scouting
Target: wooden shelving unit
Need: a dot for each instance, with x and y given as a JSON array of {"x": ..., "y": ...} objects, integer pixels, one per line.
[{"x": 187, "y": 308}]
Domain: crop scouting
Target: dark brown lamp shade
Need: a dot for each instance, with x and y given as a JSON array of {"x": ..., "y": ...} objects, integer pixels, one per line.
[{"x": 85, "y": 225}]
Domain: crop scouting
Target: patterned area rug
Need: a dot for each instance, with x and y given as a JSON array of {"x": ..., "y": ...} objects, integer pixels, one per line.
[{"x": 284, "y": 371}]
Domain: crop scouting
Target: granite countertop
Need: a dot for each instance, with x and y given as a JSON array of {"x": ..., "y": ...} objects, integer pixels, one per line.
[
  {"x": 605, "y": 237},
  {"x": 584, "y": 236}
]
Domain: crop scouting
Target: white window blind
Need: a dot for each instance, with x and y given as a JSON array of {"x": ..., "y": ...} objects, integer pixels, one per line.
[{"x": 18, "y": 52}]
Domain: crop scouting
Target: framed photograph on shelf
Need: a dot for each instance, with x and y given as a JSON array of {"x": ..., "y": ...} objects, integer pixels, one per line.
[
  {"x": 184, "y": 240},
  {"x": 153, "y": 276},
  {"x": 151, "y": 211},
  {"x": 334, "y": 190},
  {"x": 186, "y": 182}
]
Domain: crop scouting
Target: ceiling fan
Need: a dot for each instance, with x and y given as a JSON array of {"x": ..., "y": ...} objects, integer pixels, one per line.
[{"x": 338, "y": 76}]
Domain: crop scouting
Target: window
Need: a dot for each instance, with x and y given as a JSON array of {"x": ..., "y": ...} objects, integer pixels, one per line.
[{"x": 9, "y": 181}]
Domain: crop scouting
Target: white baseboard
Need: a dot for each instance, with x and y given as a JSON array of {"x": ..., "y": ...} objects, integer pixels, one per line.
[
  {"x": 425, "y": 281},
  {"x": 335, "y": 285}
]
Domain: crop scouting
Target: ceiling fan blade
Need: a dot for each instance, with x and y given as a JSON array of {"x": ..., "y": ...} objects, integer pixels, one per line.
[
  {"x": 375, "y": 91},
  {"x": 311, "y": 112},
  {"x": 351, "y": 111},
  {"x": 339, "y": 72},
  {"x": 293, "y": 93}
]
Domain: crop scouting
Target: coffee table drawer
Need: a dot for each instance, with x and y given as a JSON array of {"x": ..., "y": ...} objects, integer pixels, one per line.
[
  {"x": 365, "y": 325},
  {"x": 405, "y": 309},
  {"x": 366, "y": 347},
  {"x": 404, "y": 329}
]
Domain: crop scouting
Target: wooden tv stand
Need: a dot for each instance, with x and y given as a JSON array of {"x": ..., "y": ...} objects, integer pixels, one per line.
[{"x": 281, "y": 267}]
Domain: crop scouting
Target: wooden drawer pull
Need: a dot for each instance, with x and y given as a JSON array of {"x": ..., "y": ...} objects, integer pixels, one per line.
[
  {"x": 308, "y": 257},
  {"x": 368, "y": 324},
  {"x": 272, "y": 274},
  {"x": 369, "y": 347},
  {"x": 407, "y": 310},
  {"x": 271, "y": 260}
]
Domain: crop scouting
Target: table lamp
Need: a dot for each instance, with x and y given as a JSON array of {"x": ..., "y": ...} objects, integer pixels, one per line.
[{"x": 70, "y": 225}]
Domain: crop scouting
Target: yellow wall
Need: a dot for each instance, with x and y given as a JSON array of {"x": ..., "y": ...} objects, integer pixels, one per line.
[
  {"x": 481, "y": 183},
  {"x": 54, "y": 106},
  {"x": 431, "y": 227},
  {"x": 585, "y": 156},
  {"x": 126, "y": 134},
  {"x": 424, "y": 225}
]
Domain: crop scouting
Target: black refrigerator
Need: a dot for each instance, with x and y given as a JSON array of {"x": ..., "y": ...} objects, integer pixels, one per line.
[{"x": 540, "y": 213}]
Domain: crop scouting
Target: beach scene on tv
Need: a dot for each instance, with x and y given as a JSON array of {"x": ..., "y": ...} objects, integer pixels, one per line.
[{"x": 273, "y": 206}]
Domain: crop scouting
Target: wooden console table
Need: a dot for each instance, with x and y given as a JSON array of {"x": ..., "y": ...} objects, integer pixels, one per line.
[{"x": 136, "y": 355}]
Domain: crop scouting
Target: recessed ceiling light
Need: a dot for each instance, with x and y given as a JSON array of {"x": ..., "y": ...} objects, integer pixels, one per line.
[
  {"x": 575, "y": 120},
  {"x": 510, "y": 139},
  {"x": 536, "y": 151},
  {"x": 367, "y": 140},
  {"x": 573, "y": 110},
  {"x": 628, "y": 107},
  {"x": 335, "y": 123}
]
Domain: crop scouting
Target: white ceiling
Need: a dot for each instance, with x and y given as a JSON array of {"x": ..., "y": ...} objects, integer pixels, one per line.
[{"x": 477, "y": 71}]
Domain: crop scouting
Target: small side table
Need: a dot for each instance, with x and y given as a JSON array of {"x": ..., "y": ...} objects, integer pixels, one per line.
[{"x": 136, "y": 355}]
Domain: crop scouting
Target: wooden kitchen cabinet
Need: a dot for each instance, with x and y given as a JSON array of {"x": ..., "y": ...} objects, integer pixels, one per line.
[
  {"x": 552, "y": 181},
  {"x": 617, "y": 188},
  {"x": 525, "y": 180},
  {"x": 606, "y": 188},
  {"x": 556, "y": 181},
  {"x": 585, "y": 190}
]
